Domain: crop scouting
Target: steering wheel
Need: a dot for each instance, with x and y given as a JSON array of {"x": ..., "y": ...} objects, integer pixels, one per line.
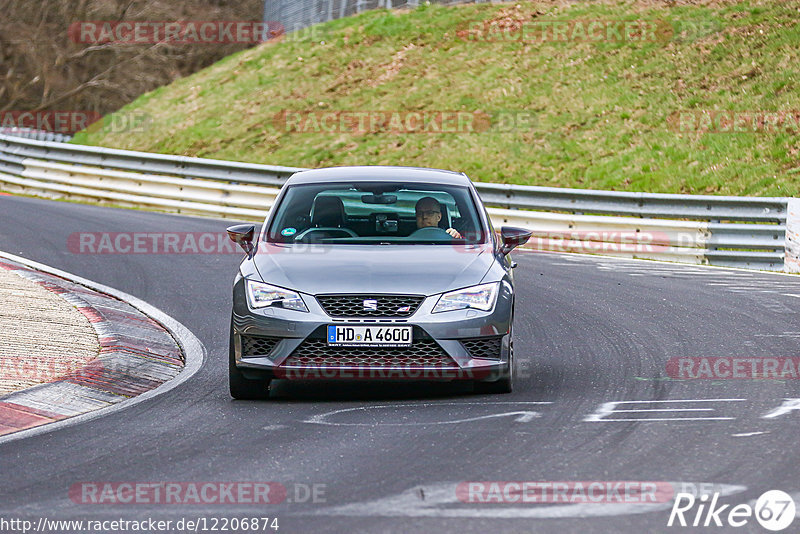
[
  {"x": 346, "y": 231},
  {"x": 430, "y": 232}
]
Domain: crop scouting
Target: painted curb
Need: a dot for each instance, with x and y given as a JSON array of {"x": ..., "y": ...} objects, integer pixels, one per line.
[{"x": 142, "y": 353}]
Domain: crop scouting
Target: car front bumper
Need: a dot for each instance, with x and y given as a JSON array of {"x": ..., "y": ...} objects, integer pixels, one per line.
[{"x": 267, "y": 342}]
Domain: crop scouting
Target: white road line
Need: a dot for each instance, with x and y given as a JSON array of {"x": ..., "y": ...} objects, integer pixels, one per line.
[
  {"x": 522, "y": 416},
  {"x": 667, "y": 410},
  {"x": 681, "y": 400},
  {"x": 665, "y": 419},
  {"x": 789, "y": 405},
  {"x": 760, "y": 288},
  {"x": 609, "y": 409}
]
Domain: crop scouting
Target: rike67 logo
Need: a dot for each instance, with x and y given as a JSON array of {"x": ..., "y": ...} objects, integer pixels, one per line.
[{"x": 774, "y": 510}]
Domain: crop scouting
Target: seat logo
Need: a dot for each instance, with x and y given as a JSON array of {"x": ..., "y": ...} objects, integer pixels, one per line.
[{"x": 370, "y": 305}]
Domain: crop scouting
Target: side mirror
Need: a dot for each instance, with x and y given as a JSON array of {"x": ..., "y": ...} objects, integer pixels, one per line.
[
  {"x": 512, "y": 238},
  {"x": 242, "y": 235}
]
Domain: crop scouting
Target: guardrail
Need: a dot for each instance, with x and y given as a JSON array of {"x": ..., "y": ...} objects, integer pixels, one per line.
[
  {"x": 745, "y": 232},
  {"x": 41, "y": 135}
]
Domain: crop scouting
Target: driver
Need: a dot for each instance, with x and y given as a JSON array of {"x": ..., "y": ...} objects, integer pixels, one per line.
[{"x": 429, "y": 213}]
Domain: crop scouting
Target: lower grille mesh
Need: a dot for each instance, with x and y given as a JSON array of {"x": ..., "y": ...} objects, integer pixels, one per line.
[
  {"x": 258, "y": 346},
  {"x": 484, "y": 347},
  {"x": 316, "y": 352}
]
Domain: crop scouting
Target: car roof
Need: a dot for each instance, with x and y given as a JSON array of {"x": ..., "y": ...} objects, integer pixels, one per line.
[{"x": 379, "y": 173}]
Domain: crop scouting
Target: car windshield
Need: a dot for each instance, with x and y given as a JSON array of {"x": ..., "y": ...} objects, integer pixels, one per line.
[{"x": 376, "y": 212}]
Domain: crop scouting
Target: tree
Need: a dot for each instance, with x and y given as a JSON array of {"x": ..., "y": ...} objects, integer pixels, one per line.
[{"x": 43, "y": 69}]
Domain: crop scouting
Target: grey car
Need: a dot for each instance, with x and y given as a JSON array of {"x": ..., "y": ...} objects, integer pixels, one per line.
[{"x": 379, "y": 273}]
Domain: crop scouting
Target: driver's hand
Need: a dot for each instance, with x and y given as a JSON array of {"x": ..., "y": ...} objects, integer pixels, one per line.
[{"x": 453, "y": 232}]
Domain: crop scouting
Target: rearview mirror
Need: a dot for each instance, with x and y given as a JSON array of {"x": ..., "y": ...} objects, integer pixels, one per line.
[
  {"x": 512, "y": 238},
  {"x": 378, "y": 199},
  {"x": 242, "y": 235}
]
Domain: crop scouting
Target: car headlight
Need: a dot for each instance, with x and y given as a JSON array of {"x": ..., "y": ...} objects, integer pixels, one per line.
[
  {"x": 261, "y": 295},
  {"x": 480, "y": 297}
]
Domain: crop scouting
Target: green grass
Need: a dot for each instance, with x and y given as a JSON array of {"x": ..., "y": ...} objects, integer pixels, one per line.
[{"x": 600, "y": 111}]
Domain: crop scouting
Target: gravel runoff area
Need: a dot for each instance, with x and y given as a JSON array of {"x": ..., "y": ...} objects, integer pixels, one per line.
[{"x": 42, "y": 336}]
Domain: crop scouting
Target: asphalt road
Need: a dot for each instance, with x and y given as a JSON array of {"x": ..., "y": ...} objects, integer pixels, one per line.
[{"x": 388, "y": 458}]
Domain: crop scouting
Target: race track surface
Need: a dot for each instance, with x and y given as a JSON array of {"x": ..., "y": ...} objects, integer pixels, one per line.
[{"x": 589, "y": 331}]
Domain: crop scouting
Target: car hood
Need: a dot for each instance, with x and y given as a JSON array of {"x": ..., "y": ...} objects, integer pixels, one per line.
[{"x": 409, "y": 269}]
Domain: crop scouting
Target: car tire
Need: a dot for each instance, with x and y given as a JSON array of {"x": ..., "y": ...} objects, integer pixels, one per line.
[
  {"x": 241, "y": 387},
  {"x": 504, "y": 384}
]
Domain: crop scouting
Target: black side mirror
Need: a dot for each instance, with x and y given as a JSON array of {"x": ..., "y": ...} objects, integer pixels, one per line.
[
  {"x": 242, "y": 235},
  {"x": 512, "y": 238}
]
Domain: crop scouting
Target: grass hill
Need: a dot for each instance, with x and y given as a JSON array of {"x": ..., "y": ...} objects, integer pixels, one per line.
[{"x": 553, "y": 99}]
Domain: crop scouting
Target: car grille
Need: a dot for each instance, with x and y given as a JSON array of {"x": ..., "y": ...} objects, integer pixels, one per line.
[
  {"x": 484, "y": 347},
  {"x": 353, "y": 305},
  {"x": 258, "y": 346},
  {"x": 316, "y": 352}
]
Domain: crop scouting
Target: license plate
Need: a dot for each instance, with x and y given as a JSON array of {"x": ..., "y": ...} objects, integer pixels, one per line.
[{"x": 374, "y": 335}]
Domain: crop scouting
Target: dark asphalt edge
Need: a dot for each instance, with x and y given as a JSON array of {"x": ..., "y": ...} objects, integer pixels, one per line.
[{"x": 193, "y": 350}]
